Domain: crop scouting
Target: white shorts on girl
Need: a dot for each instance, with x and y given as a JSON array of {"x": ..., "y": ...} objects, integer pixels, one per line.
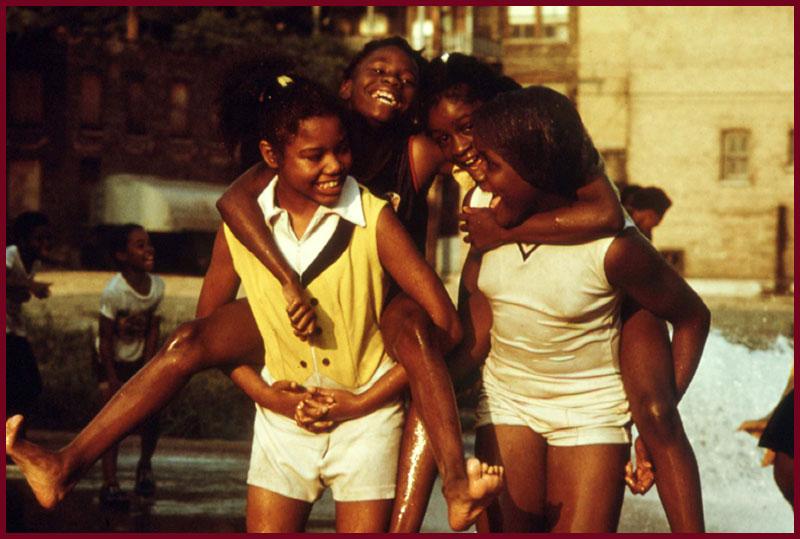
[
  {"x": 357, "y": 460},
  {"x": 598, "y": 415}
]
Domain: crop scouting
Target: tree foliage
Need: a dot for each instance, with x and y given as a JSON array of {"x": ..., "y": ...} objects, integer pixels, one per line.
[{"x": 211, "y": 30}]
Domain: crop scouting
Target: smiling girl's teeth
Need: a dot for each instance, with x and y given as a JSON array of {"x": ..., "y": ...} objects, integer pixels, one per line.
[
  {"x": 328, "y": 186},
  {"x": 385, "y": 97}
]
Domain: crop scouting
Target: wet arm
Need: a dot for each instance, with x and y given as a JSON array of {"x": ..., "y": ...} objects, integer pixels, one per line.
[
  {"x": 406, "y": 266},
  {"x": 596, "y": 213},
  {"x": 348, "y": 405},
  {"x": 634, "y": 265},
  {"x": 476, "y": 319},
  {"x": 239, "y": 209}
]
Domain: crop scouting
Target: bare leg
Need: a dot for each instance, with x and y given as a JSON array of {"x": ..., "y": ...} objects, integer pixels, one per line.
[
  {"x": 783, "y": 471},
  {"x": 648, "y": 375},
  {"x": 585, "y": 487},
  {"x": 412, "y": 340},
  {"x": 416, "y": 474},
  {"x": 269, "y": 512},
  {"x": 520, "y": 505},
  {"x": 369, "y": 516},
  {"x": 229, "y": 333}
]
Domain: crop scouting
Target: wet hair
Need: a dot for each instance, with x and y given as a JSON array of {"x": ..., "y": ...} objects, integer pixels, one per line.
[
  {"x": 25, "y": 223},
  {"x": 394, "y": 41},
  {"x": 464, "y": 78},
  {"x": 540, "y": 134},
  {"x": 650, "y": 198},
  {"x": 117, "y": 238},
  {"x": 267, "y": 100}
]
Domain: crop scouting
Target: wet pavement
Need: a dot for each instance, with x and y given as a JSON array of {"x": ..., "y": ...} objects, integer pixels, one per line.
[{"x": 201, "y": 488}]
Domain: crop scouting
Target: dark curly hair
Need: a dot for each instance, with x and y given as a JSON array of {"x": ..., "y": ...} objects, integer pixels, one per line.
[
  {"x": 266, "y": 99},
  {"x": 394, "y": 41},
  {"x": 464, "y": 78},
  {"x": 540, "y": 134}
]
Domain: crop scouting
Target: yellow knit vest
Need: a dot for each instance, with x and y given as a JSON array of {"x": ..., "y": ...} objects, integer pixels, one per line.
[{"x": 347, "y": 283}]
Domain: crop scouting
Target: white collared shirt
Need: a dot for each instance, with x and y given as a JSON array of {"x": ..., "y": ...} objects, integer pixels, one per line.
[{"x": 301, "y": 252}]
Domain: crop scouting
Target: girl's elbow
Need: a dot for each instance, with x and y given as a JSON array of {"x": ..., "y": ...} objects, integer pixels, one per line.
[{"x": 613, "y": 220}]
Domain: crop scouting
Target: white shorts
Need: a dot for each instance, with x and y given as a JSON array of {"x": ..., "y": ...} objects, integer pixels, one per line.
[
  {"x": 595, "y": 421},
  {"x": 357, "y": 460}
]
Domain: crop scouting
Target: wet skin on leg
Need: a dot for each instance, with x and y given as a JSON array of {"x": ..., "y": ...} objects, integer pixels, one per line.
[
  {"x": 411, "y": 339},
  {"x": 648, "y": 375}
]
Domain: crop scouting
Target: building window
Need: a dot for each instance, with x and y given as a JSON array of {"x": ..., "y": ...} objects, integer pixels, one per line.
[
  {"x": 26, "y": 98},
  {"x": 735, "y": 154},
  {"x": 91, "y": 100},
  {"x": 136, "y": 106},
  {"x": 790, "y": 152},
  {"x": 539, "y": 22},
  {"x": 179, "y": 109}
]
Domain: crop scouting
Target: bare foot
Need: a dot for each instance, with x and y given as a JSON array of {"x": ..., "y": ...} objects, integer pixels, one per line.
[
  {"x": 41, "y": 468},
  {"x": 467, "y": 499}
]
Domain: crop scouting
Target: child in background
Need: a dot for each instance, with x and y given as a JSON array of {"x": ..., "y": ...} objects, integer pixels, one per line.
[
  {"x": 31, "y": 236},
  {"x": 647, "y": 207},
  {"x": 128, "y": 337}
]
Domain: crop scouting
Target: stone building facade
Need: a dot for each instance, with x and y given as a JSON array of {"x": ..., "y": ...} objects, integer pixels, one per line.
[
  {"x": 700, "y": 102},
  {"x": 696, "y": 100}
]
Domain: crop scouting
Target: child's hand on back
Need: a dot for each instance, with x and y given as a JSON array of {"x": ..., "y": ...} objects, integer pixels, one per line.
[
  {"x": 301, "y": 312},
  {"x": 642, "y": 478},
  {"x": 287, "y": 396},
  {"x": 343, "y": 405},
  {"x": 313, "y": 412}
]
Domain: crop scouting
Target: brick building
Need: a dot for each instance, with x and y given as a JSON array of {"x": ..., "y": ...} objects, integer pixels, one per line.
[
  {"x": 696, "y": 100},
  {"x": 80, "y": 111}
]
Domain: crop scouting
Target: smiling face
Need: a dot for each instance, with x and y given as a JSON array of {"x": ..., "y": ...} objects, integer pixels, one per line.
[
  {"x": 313, "y": 165},
  {"x": 383, "y": 85},
  {"x": 513, "y": 198},
  {"x": 139, "y": 254},
  {"x": 450, "y": 126}
]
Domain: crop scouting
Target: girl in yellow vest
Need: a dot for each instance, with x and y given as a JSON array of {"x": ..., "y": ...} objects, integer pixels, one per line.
[{"x": 342, "y": 241}]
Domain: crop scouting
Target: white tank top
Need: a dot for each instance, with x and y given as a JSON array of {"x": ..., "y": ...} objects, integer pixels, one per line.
[{"x": 555, "y": 317}]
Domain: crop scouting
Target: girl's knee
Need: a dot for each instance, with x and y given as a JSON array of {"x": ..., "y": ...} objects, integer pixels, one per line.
[
  {"x": 184, "y": 349},
  {"x": 659, "y": 417}
]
